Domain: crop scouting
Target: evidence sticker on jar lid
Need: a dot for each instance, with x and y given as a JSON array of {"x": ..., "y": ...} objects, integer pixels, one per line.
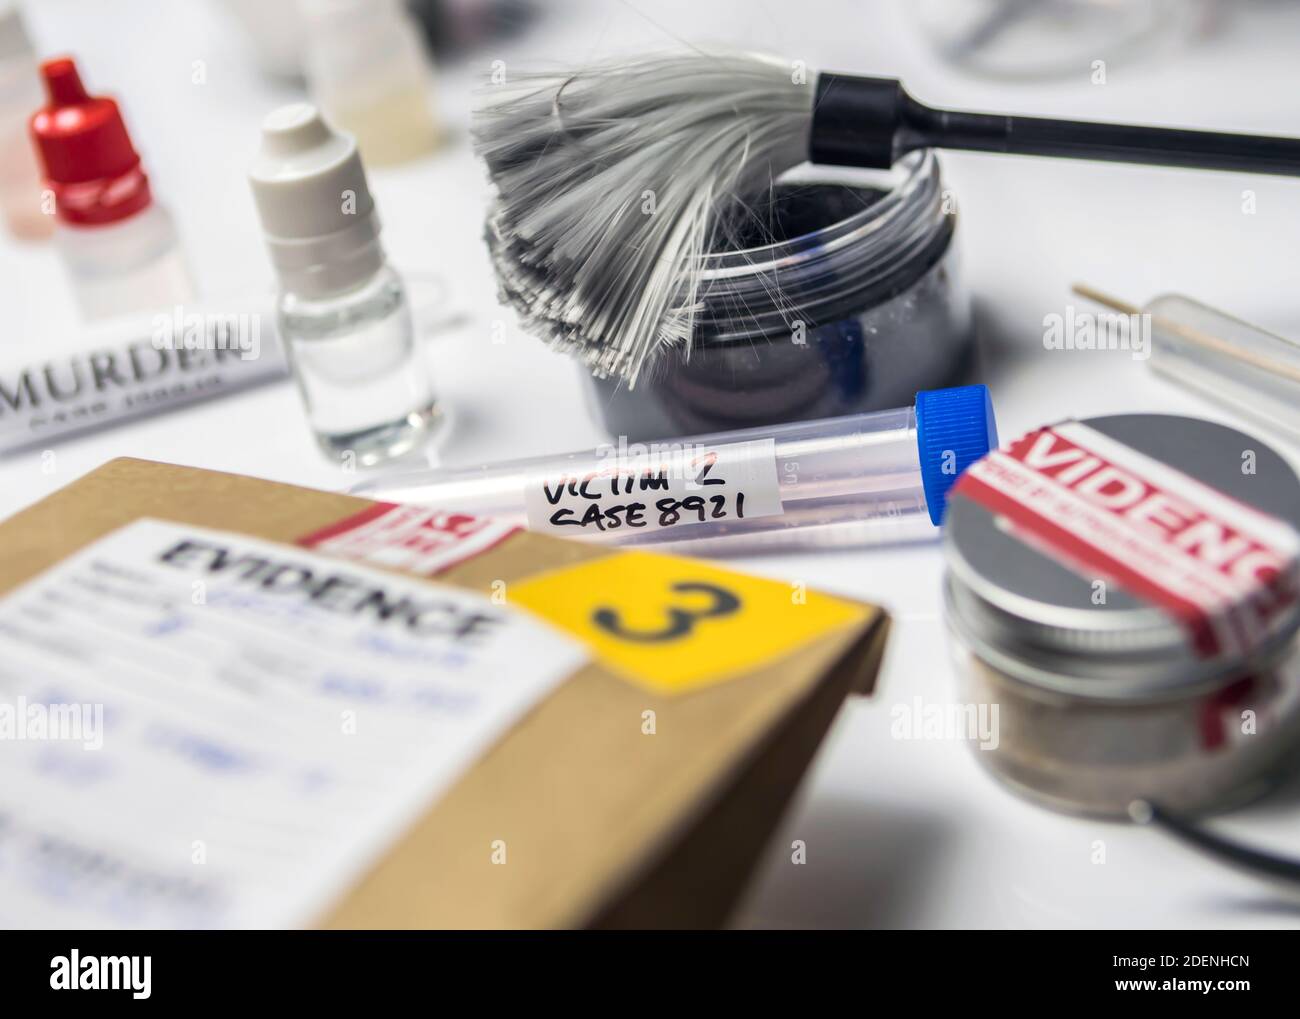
[{"x": 1102, "y": 508}]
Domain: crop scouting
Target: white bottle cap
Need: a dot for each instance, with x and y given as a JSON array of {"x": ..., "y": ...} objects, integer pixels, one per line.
[{"x": 311, "y": 194}]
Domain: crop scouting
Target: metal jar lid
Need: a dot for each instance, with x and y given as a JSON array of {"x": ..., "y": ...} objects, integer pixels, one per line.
[{"x": 1039, "y": 621}]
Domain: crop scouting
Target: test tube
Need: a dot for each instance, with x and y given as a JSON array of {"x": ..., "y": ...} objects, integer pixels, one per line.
[
  {"x": 1243, "y": 367},
  {"x": 862, "y": 479}
]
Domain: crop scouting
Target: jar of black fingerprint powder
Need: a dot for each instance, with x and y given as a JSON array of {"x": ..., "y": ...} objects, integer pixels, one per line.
[{"x": 839, "y": 295}]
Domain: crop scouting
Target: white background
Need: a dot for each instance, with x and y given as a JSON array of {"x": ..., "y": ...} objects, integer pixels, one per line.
[{"x": 897, "y": 833}]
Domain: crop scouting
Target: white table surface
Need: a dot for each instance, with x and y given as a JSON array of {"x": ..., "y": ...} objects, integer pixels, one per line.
[{"x": 910, "y": 834}]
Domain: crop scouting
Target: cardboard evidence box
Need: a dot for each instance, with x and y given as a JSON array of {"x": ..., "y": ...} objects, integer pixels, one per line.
[{"x": 640, "y": 793}]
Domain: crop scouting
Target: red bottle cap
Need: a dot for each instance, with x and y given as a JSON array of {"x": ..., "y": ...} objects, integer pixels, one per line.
[{"x": 89, "y": 161}]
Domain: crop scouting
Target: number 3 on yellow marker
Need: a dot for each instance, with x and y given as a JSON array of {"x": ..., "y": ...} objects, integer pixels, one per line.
[{"x": 678, "y": 624}]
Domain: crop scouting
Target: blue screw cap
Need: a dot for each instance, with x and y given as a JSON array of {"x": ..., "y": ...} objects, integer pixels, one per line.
[{"x": 954, "y": 428}]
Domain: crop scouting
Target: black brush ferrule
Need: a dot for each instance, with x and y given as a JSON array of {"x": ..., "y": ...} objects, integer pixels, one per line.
[{"x": 855, "y": 120}]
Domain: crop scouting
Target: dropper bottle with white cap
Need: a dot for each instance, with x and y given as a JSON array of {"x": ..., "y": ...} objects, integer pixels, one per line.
[{"x": 343, "y": 311}]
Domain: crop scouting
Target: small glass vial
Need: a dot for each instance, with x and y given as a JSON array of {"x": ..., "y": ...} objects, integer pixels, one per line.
[
  {"x": 343, "y": 311},
  {"x": 120, "y": 247}
]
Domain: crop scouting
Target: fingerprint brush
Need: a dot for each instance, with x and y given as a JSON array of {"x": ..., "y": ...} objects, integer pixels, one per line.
[
  {"x": 615, "y": 183},
  {"x": 862, "y": 121}
]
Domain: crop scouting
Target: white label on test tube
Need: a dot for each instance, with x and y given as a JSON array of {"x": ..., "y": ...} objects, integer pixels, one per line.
[{"x": 654, "y": 487}]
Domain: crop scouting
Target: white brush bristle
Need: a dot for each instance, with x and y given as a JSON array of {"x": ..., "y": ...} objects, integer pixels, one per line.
[{"x": 612, "y": 182}]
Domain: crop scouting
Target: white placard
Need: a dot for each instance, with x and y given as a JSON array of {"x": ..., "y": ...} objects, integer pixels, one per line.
[{"x": 209, "y": 730}]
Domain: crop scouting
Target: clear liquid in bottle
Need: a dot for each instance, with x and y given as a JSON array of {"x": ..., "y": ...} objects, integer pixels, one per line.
[{"x": 363, "y": 380}]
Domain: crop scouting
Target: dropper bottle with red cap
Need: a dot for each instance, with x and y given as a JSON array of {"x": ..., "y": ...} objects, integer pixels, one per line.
[{"x": 119, "y": 245}]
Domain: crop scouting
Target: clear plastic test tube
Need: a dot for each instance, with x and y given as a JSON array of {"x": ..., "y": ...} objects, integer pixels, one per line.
[
  {"x": 856, "y": 480},
  {"x": 1243, "y": 367},
  {"x": 1251, "y": 370}
]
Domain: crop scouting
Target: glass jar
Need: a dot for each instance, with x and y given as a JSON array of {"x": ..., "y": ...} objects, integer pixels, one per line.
[
  {"x": 1102, "y": 700},
  {"x": 855, "y": 306}
]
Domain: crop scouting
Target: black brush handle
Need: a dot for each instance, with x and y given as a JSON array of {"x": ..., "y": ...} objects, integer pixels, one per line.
[{"x": 859, "y": 121}]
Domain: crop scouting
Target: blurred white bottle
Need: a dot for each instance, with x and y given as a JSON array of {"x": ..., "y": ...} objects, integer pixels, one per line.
[
  {"x": 120, "y": 247},
  {"x": 343, "y": 311},
  {"x": 370, "y": 75},
  {"x": 20, "y": 93},
  {"x": 273, "y": 30}
]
